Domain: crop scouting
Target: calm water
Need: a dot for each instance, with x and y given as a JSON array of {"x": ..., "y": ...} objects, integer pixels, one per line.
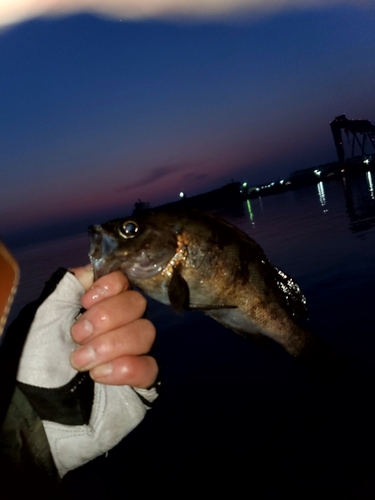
[
  {"x": 243, "y": 418},
  {"x": 321, "y": 235}
]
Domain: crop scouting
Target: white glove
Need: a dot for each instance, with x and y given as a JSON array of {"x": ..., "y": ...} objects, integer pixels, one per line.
[{"x": 45, "y": 367}]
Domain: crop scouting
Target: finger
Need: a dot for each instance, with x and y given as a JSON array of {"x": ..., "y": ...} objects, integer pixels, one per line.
[
  {"x": 136, "y": 371},
  {"x": 104, "y": 287},
  {"x": 109, "y": 314},
  {"x": 133, "y": 339},
  {"x": 84, "y": 274}
]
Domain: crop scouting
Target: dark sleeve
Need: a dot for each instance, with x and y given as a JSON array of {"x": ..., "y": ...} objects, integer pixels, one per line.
[
  {"x": 25, "y": 457},
  {"x": 26, "y": 461},
  {"x": 14, "y": 339}
]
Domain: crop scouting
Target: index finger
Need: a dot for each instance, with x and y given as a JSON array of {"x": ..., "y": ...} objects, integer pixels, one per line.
[{"x": 106, "y": 286}]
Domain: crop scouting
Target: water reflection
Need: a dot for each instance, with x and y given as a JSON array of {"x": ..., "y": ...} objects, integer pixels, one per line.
[
  {"x": 250, "y": 212},
  {"x": 357, "y": 204},
  {"x": 370, "y": 184},
  {"x": 322, "y": 195},
  {"x": 359, "y": 198}
]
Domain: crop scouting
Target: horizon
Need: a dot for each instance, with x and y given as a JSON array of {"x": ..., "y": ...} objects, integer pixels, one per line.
[{"x": 100, "y": 111}]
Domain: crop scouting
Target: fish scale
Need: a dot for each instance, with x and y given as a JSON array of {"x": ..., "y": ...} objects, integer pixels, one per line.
[{"x": 194, "y": 260}]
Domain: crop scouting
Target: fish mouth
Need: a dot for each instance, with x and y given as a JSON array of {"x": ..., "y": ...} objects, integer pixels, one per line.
[
  {"x": 102, "y": 248},
  {"x": 106, "y": 256}
]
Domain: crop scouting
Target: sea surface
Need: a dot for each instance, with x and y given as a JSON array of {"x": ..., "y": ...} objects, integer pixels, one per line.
[
  {"x": 233, "y": 414},
  {"x": 322, "y": 235}
]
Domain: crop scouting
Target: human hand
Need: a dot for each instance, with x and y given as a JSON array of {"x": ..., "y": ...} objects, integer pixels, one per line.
[
  {"x": 82, "y": 421},
  {"x": 114, "y": 338}
]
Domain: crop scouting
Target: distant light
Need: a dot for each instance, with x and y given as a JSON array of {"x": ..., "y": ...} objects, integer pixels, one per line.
[
  {"x": 182, "y": 194},
  {"x": 244, "y": 184},
  {"x": 282, "y": 181},
  {"x": 317, "y": 172},
  {"x": 367, "y": 161}
]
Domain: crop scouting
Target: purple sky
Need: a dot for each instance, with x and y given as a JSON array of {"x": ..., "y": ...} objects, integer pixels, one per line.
[{"x": 97, "y": 112}]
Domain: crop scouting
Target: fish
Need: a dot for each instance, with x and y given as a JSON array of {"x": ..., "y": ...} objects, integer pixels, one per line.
[{"x": 197, "y": 261}]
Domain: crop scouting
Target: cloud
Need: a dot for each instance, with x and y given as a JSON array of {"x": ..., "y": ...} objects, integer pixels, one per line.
[
  {"x": 194, "y": 178},
  {"x": 153, "y": 175},
  {"x": 156, "y": 174},
  {"x": 15, "y": 11}
]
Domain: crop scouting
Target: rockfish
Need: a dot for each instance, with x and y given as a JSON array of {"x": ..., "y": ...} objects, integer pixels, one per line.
[{"x": 193, "y": 260}]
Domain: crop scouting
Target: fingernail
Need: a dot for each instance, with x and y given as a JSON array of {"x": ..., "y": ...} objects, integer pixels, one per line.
[
  {"x": 101, "y": 371},
  {"x": 82, "y": 357},
  {"x": 82, "y": 330},
  {"x": 96, "y": 292}
]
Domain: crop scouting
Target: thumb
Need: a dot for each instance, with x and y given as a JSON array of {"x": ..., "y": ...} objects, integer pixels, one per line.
[{"x": 85, "y": 275}]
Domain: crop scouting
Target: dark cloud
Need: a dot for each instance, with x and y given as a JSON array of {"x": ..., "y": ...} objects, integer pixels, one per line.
[
  {"x": 152, "y": 176},
  {"x": 194, "y": 177}
]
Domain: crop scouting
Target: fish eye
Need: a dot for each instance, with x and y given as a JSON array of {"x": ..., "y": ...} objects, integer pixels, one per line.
[{"x": 127, "y": 229}]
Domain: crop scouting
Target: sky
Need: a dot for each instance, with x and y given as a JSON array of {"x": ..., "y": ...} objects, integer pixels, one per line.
[{"x": 105, "y": 103}]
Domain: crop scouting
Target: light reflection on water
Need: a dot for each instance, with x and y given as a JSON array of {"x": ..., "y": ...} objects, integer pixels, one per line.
[
  {"x": 370, "y": 184},
  {"x": 321, "y": 193},
  {"x": 322, "y": 235}
]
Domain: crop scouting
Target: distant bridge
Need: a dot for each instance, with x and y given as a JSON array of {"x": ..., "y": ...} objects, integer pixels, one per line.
[{"x": 360, "y": 131}]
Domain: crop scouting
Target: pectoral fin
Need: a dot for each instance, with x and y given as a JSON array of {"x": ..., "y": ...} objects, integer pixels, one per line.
[
  {"x": 178, "y": 292},
  {"x": 179, "y": 295}
]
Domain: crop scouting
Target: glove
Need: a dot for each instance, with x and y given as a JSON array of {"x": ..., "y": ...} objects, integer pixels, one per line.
[{"x": 82, "y": 419}]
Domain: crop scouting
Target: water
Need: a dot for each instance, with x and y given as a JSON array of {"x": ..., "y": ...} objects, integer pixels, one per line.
[
  {"x": 321, "y": 235},
  {"x": 243, "y": 417},
  {"x": 37, "y": 262}
]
